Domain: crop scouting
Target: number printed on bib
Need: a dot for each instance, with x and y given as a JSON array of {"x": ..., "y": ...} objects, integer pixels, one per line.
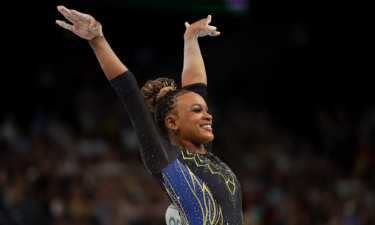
[{"x": 172, "y": 221}]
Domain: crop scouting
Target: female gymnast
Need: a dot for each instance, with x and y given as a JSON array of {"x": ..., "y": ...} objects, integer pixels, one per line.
[{"x": 175, "y": 138}]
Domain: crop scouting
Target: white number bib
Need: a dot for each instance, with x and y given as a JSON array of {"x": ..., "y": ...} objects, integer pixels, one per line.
[{"x": 172, "y": 217}]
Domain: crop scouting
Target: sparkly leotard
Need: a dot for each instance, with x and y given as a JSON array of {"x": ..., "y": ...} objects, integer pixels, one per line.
[{"x": 201, "y": 186}]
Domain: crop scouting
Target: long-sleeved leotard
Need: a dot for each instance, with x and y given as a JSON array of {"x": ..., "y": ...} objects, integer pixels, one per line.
[{"x": 201, "y": 186}]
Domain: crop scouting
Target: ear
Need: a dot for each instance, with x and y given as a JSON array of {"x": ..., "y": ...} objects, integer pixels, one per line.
[{"x": 171, "y": 122}]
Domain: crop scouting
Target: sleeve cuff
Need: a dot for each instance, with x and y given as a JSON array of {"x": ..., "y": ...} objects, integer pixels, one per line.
[
  {"x": 121, "y": 77},
  {"x": 188, "y": 87}
]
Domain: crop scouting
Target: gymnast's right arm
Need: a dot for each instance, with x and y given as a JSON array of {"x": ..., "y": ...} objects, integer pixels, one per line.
[{"x": 153, "y": 148}]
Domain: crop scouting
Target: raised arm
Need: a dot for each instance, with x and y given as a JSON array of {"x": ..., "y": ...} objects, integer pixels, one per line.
[
  {"x": 154, "y": 149},
  {"x": 88, "y": 28},
  {"x": 194, "y": 70}
]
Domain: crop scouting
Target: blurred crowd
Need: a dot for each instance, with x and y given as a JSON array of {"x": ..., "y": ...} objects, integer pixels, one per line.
[{"x": 86, "y": 169}]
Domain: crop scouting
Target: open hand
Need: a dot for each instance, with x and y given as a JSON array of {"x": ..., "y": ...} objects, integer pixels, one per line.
[
  {"x": 202, "y": 28},
  {"x": 84, "y": 25}
]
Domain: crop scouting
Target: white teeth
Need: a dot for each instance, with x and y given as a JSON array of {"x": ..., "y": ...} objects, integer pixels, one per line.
[{"x": 209, "y": 126}]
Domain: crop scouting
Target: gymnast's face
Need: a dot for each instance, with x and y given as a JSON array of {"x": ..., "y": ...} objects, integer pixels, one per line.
[{"x": 193, "y": 120}]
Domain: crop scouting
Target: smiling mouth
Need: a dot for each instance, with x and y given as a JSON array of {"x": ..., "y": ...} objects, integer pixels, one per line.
[{"x": 207, "y": 127}]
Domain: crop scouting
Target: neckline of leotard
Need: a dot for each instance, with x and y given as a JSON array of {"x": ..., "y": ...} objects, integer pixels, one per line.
[{"x": 193, "y": 152}]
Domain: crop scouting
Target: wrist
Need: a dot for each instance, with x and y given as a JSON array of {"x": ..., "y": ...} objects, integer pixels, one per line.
[
  {"x": 190, "y": 34},
  {"x": 96, "y": 39}
]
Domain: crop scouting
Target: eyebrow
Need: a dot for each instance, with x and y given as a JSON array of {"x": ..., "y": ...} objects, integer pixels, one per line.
[{"x": 198, "y": 105}]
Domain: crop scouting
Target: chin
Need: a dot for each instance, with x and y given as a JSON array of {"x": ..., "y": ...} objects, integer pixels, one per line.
[{"x": 208, "y": 139}]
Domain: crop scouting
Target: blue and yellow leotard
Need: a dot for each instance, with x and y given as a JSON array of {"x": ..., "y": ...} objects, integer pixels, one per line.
[{"x": 202, "y": 187}]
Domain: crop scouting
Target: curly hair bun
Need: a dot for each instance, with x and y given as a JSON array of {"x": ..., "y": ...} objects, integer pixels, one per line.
[{"x": 154, "y": 90}]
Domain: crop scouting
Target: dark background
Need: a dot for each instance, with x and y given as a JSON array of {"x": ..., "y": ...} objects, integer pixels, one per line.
[
  {"x": 291, "y": 57},
  {"x": 281, "y": 72}
]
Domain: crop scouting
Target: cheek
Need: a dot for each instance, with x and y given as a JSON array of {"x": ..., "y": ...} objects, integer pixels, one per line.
[{"x": 190, "y": 122}]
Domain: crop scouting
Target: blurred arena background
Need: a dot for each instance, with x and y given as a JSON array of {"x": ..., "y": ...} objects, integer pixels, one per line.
[{"x": 294, "y": 116}]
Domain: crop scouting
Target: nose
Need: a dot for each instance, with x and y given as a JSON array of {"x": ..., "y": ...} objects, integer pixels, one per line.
[{"x": 207, "y": 116}]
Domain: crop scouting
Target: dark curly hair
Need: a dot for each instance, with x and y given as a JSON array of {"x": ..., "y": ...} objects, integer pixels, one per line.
[{"x": 161, "y": 95}]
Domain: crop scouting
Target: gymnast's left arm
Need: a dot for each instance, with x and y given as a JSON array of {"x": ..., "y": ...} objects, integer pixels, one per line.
[{"x": 194, "y": 70}]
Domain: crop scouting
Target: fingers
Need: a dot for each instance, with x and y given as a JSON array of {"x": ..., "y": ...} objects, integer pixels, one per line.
[
  {"x": 208, "y": 21},
  {"x": 66, "y": 13},
  {"x": 211, "y": 31},
  {"x": 212, "y": 28},
  {"x": 214, "y": 33},
  {"x": 73, "y": 15},
  {"x": 62, "y": 9},
  {"x": 80, "y": 16},
  {"x": 64, "y": 25}
]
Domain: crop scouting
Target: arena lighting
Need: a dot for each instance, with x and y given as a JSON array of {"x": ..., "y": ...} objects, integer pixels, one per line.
[{"x": 237, "y": 6}]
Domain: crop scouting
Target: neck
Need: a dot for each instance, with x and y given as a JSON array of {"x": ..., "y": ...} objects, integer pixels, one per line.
[{"x": 187, "y": 145}]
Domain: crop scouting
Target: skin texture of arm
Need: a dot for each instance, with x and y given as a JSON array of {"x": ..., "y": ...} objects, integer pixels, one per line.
[
  {"x": 110, "y": 63},
  {"x": 194, "y": 70}
]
